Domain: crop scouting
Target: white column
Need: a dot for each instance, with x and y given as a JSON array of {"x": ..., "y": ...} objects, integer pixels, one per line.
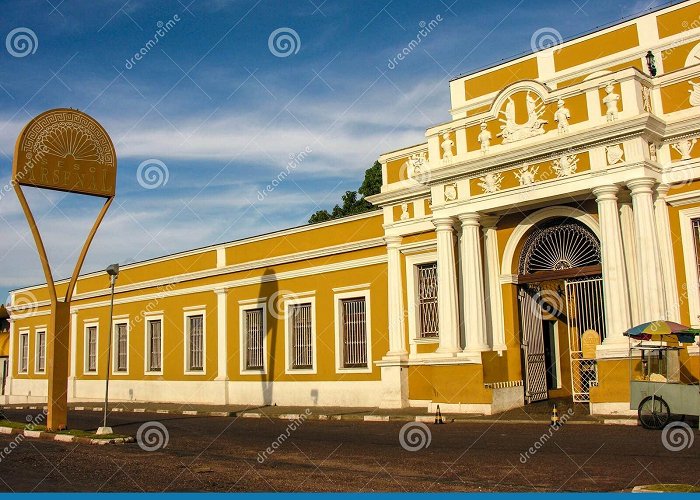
[
  {"x": 651, "y": 286},
  {"x": 397, "y": 340},
  {"x": 222, "y": 333},
  {"x": 492, "y": 283},
  {"x": 73, "y": 353},
  {"x": 629, "y": 242},
  {"x": 473, "y": 300},
  {"x": 448, "y": 314},
  {"x": 668, "y": 266},
  {"x": 11, "y": 359},
  {"x": 616, "y": 296}
]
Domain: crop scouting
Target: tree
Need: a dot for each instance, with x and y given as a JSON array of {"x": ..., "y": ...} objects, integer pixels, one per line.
[{"x": 372, "y": 184}]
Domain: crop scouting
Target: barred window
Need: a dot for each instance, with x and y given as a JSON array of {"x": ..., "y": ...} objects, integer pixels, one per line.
[
  {"x": 154, "y": 329},
  {"x": 254, "y": 339},
  {"x": 40, "y": 352},
  {"x": 91, "y": 343},
  {"x": 354, "y": 333},
  {"x": 302, "y": 342},
  {"x": 195, "y": 333},
  {"x": 122, "y": 347},
  {"x": 23, "y": 352},
  {"x": 428, "y": 300}
]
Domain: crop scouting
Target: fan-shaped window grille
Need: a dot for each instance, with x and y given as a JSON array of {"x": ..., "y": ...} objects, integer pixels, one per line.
[{"x": 562, "y": 245}]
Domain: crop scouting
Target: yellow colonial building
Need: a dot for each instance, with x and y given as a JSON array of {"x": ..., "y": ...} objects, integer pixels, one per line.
[{"x": 558, "y": 207}]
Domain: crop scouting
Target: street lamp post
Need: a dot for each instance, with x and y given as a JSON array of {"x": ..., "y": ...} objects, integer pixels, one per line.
[{"x": 113, "y": 272}]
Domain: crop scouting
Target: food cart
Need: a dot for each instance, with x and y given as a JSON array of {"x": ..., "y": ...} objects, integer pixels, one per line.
[{"x": 657, "y": 392}]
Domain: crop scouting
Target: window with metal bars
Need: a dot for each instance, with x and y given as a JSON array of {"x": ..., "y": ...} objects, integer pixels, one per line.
[
  {"x": 195, "y": 333},
  {"x": 23, "y": 352},
  {"x": 40, "y": 352},
  {"x": 302, "y": 341},
  {"x": 91, "y": 342},
  {"x": 354, "y": 333},
  {"x": 254, "y": 339},
  {"x": 154, "y": 329},
  {"x": 696, "y": 240},
  {"x": 428, "y": 300},
  {"x": 122, "y": 347}
]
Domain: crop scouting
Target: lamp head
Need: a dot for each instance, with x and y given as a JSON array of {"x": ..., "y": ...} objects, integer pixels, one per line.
[{"x": 113, "y": 270}]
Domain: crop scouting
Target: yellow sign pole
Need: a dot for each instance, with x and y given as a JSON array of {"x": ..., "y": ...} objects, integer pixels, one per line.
[{"x": 64, "y": 150}]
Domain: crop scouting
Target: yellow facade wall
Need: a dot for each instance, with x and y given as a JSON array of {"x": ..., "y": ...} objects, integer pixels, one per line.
[
  {"x": 448, "y": 384},
  {"x": 679, "y": 20},
  {"x": 495, "y": 80},
  {"x": 596, "y": 47},
  {"x": 4, "y": 344}
]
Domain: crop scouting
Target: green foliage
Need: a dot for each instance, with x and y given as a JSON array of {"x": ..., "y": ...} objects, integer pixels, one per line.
[{"x": 352, "y": 205}]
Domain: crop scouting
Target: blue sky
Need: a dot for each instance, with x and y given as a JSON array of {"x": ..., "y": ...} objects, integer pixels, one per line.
[{"x": 223, "y": 114}]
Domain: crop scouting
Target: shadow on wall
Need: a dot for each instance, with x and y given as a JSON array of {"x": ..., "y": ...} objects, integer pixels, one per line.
[{"x": 275, "y": 315}]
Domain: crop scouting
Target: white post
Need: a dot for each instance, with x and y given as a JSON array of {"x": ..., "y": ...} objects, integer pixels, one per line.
[
  {"x": 616, "y": 296},
  {"x": 222, "y": 339},
  {"x": 629, "y": 242},
  {"x": 73, "y": 353},
  {"x": 651, "y": 286},
  {"x": 492, "y": 283},
  {"x": 668, "y": 267},
  {"x": 475, "y": 333},
  {"x": 397, "y": 341},
  {"x": 448, "y": 314}
]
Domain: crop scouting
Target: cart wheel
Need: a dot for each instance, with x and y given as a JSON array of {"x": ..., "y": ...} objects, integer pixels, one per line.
[{"x": 654, "y": 412}]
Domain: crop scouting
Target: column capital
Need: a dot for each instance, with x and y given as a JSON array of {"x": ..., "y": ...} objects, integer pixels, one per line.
[
  {"x": 641, "y": 185},
  {"x": 469, "y": 219},
  {"x": 608, "y": 192},
  {"x": 444, "y": 224},
  {"x": 393, "y": 241},
  {"x": 489, "y": 221},
  {"x": 662, "y": 191},
  {"x": 221, "y": 291}
]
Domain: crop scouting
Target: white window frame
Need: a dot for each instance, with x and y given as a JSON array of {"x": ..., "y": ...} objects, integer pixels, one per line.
[
  {"x": 147, "y": 344},
  {"x": 23, "y": 334},
  {"x": 86, "y": 348},
  {"x": 120, "y": 320},
  {"x": 37, "y": 332},
  {"x": 297, "y": 299},
  {"x": 338, "y": 297},
  {"x": 692, "y": 281},
  {"x": 188, "y": 313},
  {"x": 412, "y": 263},
  {"x": 248, "y": 305}
]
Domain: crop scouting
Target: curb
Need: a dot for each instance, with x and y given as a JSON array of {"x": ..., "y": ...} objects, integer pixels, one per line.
[{"x": 65, "y": 438}]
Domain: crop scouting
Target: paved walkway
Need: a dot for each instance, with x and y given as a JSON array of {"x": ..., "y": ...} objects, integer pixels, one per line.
[{"x": 533, "y": 413}]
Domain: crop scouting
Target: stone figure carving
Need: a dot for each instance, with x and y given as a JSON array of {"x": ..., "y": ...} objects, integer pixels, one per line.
[
  {"x": 614, "y": 154},
  {"x": 685, "y": 147},
  {"x": 450, "y": 192},
  {"x": 484, "y": 138},
  {"x": 694, "y": 94},
  {"x": 416, "y": 163},
  {"x": 491, "y": 182},
  {"x": 562, "y": 116},
  {"x": 404, "y": 211},
  {"x": 610, "y": 100},
  {"x": 565, "y": 165},
  {"x": 652, "y": 151},
  {"x": 512, "y": 131},
  {"x": 527, "y": 175},
  {"x": 446, "y": 145},
  {"x": 646, "y": 98}
]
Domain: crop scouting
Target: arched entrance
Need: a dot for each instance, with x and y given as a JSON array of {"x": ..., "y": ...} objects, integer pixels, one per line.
[{"x": 560, "y": 297}]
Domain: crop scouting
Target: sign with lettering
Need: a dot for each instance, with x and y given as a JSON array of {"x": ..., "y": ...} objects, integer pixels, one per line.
[
  {"x": 589, "y": 341},
  {"x": 66, "y": 150}
]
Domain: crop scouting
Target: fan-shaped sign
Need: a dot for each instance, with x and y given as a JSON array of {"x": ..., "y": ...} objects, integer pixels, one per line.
[{"x": 66, "y": 150}]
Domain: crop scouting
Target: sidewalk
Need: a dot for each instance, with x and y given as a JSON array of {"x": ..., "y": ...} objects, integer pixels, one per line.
[{"x": 540, "y": 413}]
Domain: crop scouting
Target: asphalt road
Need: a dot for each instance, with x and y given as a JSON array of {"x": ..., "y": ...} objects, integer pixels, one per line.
[{"x": 226, "y": 454}]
